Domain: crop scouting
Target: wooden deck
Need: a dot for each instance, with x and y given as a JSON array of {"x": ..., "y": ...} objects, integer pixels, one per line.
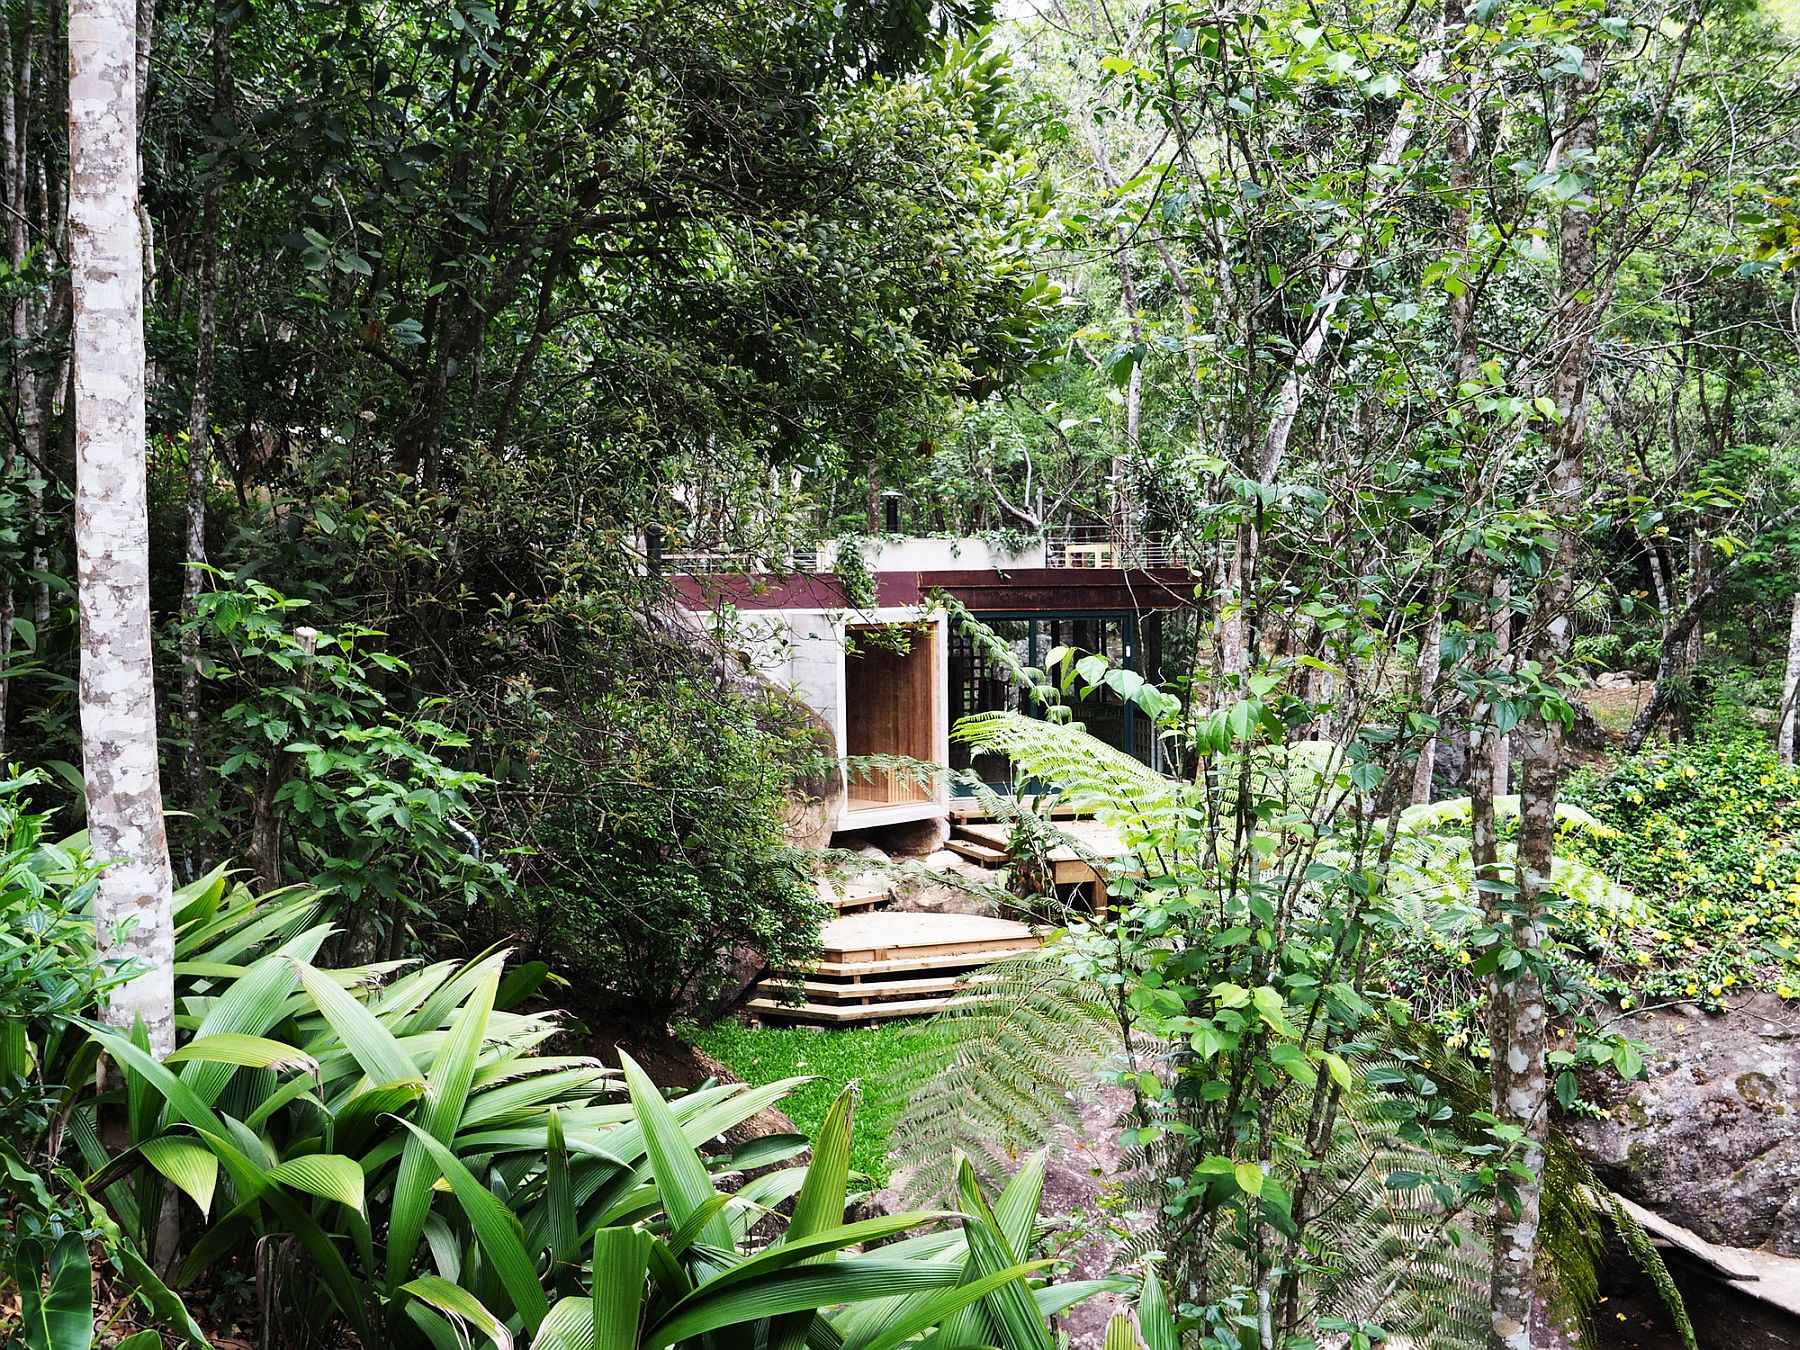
[
  {"x": 1069, "y": 865},
  {"x": 883, "y": 964}
]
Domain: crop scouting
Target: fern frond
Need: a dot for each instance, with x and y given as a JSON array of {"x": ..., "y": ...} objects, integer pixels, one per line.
[
  {"x": 998, "y": 1072},
  {"x": 1083, "y": 772},
  {"x": 1430, "y": 816}
]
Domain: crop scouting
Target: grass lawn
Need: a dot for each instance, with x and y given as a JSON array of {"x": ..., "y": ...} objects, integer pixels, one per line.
[{"x": 869, "y": 1054}]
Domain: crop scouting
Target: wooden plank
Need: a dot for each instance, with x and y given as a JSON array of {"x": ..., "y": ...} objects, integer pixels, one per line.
[
  {"x": 938, "y": 962},
  {"x": 976, "y": 852},
  {"x": 838, "y": 1013},
  {"x": 889, "y": 928},
  {"x": 1090, "y": 838},
  {"x": 837, "y": 992}
]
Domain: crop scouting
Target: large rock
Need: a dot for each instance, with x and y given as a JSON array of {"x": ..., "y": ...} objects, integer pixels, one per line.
[
  {"x": 921, "y": 891},
  {"x": 913, "y": 838},
  {"x": 1712, "y": 1140}
]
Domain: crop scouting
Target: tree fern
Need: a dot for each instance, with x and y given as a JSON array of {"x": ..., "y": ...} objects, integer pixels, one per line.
[{"x": 998, "y": 1073}]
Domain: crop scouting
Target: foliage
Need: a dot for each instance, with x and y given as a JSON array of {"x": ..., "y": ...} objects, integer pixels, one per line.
[
  {"x": 315, "y": 756},
  {"x": 302, "y": 1102},
  {"x": 1702, "y": 833},
  {"x": 648, "y": 807},
  {"x": 805, "y": 1285},
  {"x": 50, "y": 970},
  {"x": 865, "y": 1057},
  {"x": 998, "y": 1072}
]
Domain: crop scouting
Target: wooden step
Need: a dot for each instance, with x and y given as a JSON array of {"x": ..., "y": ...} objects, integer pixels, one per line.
[
  {"x": 984, "y": 854},
  {"x": 887, "y": 935},
  {"x": 893, "y": 965},
  {"x": 768, "y": 1008},
  {"x": 838, "y": 991}
]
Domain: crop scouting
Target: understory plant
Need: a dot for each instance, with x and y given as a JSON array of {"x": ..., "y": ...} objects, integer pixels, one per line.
[
  {"x": 326, "y": 781},
  {"x": 1302, "y": 1165},
  {"x": 1702, "y": 834},
  {"x": 646, "y": 808},
  {"x": 388, "y": 1155}
]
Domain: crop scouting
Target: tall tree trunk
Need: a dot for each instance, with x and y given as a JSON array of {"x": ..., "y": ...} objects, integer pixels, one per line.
[
  {"x": 1519, "y": 1017},
  {"x": 1431, "y": 667},
  {"x": 1125, "y": 466},
  {"x": 14, "y": 135},
  {"x": 133, "y": 901},
  {"x": 1790, "y": 687},
  {"x": 199, "y": 467},
  {"x": 1500, "y": 753}
]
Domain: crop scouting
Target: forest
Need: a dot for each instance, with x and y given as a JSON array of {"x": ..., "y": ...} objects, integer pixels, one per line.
[{"x": 900, "y": 674}]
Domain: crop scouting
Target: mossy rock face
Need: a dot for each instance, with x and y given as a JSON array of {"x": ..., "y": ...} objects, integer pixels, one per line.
[{"x": 1711, "y": 1140}]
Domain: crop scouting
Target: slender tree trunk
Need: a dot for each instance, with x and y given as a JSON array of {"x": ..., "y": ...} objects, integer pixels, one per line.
[
  {"x": 1519, "y": 1017},
  {"x": 133, "y": 902},
  {"x": 199, "y": 467},
  {"x": 1125, "y": 466},
  {"x": 1431, "y": 666},
  {"x": 1337, "y": 276},
  {"x": 1500, "y": 753},
  {"x": 1790, "y": 687},
  {"x": 14, "y": 133}
]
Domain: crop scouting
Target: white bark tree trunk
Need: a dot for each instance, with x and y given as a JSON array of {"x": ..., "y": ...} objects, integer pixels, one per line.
[
  {"x": 132, "y": 907},
  {"x": 1790, "y": 687},
  {"x": 1500, "y": 753},
  {"x": 1431, "y": 670},
  {"x": 1337, "y": 275},
  {"x": 1518, "y": 1016}
]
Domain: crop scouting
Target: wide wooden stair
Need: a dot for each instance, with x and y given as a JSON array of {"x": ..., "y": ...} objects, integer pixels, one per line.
[{"x": 882, "y": 964}]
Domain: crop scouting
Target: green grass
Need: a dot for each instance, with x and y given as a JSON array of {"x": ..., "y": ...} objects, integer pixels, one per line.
[{"x": 872, "y": 1055}]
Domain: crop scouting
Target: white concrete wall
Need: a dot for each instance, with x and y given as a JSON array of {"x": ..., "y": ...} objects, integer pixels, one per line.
[{"x": 802, "y": 650}]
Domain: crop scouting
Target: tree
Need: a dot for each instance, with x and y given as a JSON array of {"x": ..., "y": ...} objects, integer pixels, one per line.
[{"x": 133, "y": 903}]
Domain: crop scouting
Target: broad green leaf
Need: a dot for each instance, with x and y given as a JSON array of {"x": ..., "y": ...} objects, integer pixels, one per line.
[
  {"x": 1119, "y": 1335},
  {"x": 253, "y": 1052},
  {"x": 461, "y": 1304},
  {"x": 330, "y": 1176},
  {"x": 680, "y": 1175},
  {"x": 372, "y": 1045},
  {"x": 1249, "y": 1178},
  {"x": 796, "y": 1289},
  {"x": 446, "y": 1093},
  {"x": 61, "y": 1318},
  {"x": 930, "y": 1312},
  {"x": 1155, "y": 1321},
  {"x": 192, "y": 1166},
  {"x": 496, "y": 1230},
  {"x": 567, "y": 1326},
  {"x": 621, "y": 1265}
]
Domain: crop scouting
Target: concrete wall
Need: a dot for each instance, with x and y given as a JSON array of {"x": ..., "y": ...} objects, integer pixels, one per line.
[{"x": 803, "y": 651}]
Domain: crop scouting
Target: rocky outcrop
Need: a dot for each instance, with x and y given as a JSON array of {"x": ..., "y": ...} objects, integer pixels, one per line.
[
  {"x": 946, "y": 883},
  {"x": 1711, "y": 1140}
]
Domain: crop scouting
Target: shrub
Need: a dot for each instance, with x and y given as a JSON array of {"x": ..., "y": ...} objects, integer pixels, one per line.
[
  {"x": 1703, "y": 836},
  {"x": 655, "y": 867},
  {"x": 326, "y": 782}
]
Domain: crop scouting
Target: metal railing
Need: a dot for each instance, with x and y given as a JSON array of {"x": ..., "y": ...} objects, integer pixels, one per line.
[{"x": 1089, "y": 547}]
